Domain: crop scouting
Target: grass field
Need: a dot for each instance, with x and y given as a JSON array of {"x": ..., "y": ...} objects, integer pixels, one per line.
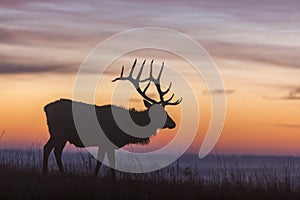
[{"x": 21, "y": 178}]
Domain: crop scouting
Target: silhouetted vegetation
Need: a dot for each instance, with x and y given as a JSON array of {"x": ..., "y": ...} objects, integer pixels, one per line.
[{"x": 21, "y": 177}]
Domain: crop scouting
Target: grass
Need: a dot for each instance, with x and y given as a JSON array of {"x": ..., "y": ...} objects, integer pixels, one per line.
[{"x": 21, "y": 178}]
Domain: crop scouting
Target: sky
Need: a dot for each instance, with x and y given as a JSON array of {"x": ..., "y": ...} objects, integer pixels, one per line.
[{"x": 255, "y": 44}]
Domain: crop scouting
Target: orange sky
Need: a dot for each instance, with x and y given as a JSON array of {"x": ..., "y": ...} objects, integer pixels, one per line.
[{"x": 255, "y": 47}]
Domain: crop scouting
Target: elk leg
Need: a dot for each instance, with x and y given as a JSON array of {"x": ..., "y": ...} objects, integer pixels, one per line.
[
  {"x": 112, "y": 160},
  {"x": 58, "y": 152},
  {"x": 100, "y": 158},
  {"x": 47, "y": 149}
]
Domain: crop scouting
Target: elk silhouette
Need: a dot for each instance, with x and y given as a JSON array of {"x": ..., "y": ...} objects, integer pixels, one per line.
[{"x": 62, "y": 128}]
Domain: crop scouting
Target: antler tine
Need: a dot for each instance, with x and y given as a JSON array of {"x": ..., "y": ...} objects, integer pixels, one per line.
[
  {"x": 132, "y": 69},
  {"x": 160, "y": 72},
  {"x": 170, "y": 98},
  {"x": 141, "y": 71},
  {"x": 122, "y": 71},
  {"x": 121, "y": 76},
  {"x": 178, "y": 101},
  {"x": 151, "y": 69},
  {"x": 158, "y": 87},
  {"x": 150, "y": 78},
  {"x": 167, "y": 90},
  {"x": 163, "y": 93},
  {"x": 147, "y": 86},
  {"x": 136, "y": 81},
  {"x": 129, "y": 77}
]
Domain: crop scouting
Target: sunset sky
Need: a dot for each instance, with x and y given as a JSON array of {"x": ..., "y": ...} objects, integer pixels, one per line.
[{"x": 255, "y": 44}]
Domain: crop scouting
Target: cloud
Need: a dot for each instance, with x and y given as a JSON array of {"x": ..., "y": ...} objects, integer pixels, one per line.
[
  {"x": 21, "y": 3},
  {"x": 289, "y": 125},
  {"x": 76, "y": 25},
  {"x": 294, "y": 94},
  {"x": 297, "y": 90},
  {"x": 285, "y": 56},
  {"x": 18, "y": 68},
  {"x": 227, "y": 91},
  {"x": 49, "y": 38},
  {"x": 220, "y": 91},
  {"x": 13, "y": 3}
]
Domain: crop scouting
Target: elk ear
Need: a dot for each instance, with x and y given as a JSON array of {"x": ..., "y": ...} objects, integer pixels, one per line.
[{"x": 147, "y": 104}]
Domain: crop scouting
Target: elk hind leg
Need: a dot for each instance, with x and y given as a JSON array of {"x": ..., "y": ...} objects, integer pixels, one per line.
[
  {"x": 47, "y": 150},
  {"x": 58, "y": 153}
]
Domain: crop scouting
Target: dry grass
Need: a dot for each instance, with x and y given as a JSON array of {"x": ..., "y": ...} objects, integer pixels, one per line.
[{"x": 21, "y": 177}]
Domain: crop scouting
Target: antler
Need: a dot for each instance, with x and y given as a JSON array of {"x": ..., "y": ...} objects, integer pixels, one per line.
[
  {"x": 136, "y": 81},
  {"x": 156, "y": 81}
]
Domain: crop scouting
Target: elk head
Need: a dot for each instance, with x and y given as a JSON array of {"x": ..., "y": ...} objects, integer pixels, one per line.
[{"x": 156, "y": 108}]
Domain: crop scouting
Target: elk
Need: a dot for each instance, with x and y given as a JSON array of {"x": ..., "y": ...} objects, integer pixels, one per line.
[{"x": 62, "y": 128}]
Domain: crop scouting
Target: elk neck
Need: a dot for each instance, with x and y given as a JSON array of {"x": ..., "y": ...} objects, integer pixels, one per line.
[{"x": 141, "y": 118}]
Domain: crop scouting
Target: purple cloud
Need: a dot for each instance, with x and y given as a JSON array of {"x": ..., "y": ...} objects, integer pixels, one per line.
[{"x": 294, "y": 94}]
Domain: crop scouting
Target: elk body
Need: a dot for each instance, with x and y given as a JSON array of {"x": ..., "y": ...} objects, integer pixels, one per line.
[{"x": 62, "y": 127}]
